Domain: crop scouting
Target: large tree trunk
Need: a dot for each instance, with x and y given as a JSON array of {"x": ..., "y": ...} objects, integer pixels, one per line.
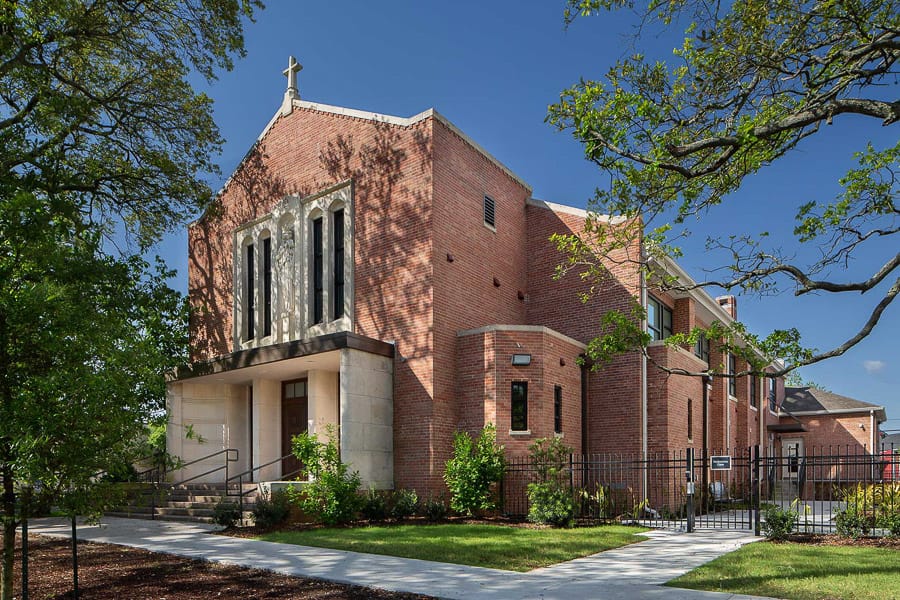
[{"x": 9, "y": 529}]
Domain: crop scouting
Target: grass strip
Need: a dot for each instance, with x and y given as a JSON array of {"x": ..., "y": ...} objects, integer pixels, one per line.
[
  {"x": 801, "y": 572},
  {"x": 493, "y": 546}
]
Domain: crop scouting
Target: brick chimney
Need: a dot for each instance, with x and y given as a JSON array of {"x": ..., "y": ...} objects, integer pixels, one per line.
[{"x": 729, "y": 303}]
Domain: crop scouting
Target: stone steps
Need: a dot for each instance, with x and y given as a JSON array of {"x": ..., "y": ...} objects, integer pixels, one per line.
[{"x": 187, "y": 502}]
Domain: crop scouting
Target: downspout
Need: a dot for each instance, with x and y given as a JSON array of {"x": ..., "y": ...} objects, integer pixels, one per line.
[
  {"x": 644, "y": 371},
  {"x": 584, "y": 410},
  {"x": 704, "y": 475}
]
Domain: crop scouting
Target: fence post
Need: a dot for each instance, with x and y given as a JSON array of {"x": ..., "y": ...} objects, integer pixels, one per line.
[
  {"x": 689, "y": 475},
  {"x": 756, "y": 483}
]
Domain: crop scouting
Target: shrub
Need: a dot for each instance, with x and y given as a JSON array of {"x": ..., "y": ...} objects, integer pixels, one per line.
[
  {"x": 226, "y": 513},
  {"x": 273, "y": 510},
  {"x": 373, "y": 505},
  {"x": 435, "y": 509},
  {"x": 406, "y": 503},
  {"x": 475, "y": 468},
  {"x": 890, "y": 520},
  {"x": 332, "y": 496},
  {"x": 597, "y": 504},
  {"x": 851, "y": 523},
  {"x": 779, "y": 523},
  {"x": 550, "y": 499}
]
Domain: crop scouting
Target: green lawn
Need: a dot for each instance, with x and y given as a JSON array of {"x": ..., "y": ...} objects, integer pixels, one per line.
[
  {"x": 494, "y": 546},
  {"x": 801, "y": 572}
]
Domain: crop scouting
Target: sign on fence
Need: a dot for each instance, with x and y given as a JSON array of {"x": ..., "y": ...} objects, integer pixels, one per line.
[{"x": 720, "y": 463}]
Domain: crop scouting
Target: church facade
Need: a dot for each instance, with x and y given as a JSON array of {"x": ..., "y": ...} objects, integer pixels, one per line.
[{"x": 387, "y": 280}]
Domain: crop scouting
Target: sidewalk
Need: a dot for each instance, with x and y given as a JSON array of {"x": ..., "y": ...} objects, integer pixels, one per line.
[{"x": 635, "y": 571}]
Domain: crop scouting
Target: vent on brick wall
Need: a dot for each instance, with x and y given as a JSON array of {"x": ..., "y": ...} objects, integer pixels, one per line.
[{"x": 489, "y": 208}]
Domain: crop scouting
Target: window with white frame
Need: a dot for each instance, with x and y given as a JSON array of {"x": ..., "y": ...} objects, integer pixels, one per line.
[
  {"x": 659, "y": 319},
  {"x": 293, "y": 270}
]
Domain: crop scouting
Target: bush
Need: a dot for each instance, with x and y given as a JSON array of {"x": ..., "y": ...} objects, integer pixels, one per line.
[
  {"x": 272, "y": 511},
  {"x": 373, "y": 505},
  {"x": 890, "y": 520},
  {"x": 851, "y": 523},
  {"x": 226, "y": 513},
  {"x": 550, "y": 499},
  {"x": 435, "y": 509},
  {"x": 406, "y": 503},
  {"x": 332, "y": 496},
  {"x": 475, "y": 468},
  {"x": 779, "y": 523}
]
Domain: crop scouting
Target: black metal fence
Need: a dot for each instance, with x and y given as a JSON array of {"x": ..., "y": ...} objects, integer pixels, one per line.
[{"x": 731, "y": 488}]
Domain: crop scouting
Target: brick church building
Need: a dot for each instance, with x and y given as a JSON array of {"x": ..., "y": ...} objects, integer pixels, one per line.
[{"x": 388, "y": 276}]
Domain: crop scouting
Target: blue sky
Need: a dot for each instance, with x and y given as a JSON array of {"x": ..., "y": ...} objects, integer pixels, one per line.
[{"x": 492, "y": 69}]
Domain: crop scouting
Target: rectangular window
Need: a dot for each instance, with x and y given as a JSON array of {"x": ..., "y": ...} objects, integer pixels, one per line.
[
  {"x": 690, "y": 419},
  {"x": 267, "y": 286},
  {"x": 754, "y": 392},
  {"x": 773, "y": 405},
  {"x": 519, "y": 406},
  {"x": 659, "y": 319},
  {"x": 489, "y": 212},
  {"x": 557, "y": 409},
  {"x": 701, "y": 348},
  {"x": 732, "y": 381},
  {"x": 318, "y": 272},
  {"x": 250, "y": 290},
  {"x": 338, "y": 291}
]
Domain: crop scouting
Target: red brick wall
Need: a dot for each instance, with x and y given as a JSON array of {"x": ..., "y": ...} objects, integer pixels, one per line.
[
  {"x": 614, "y": 392},
  {"x": 667, "y": 401},
  {"x": 465, "y": 296},
  {"x": 391, "y": 169},
  {"x": 485, "y": 380}
]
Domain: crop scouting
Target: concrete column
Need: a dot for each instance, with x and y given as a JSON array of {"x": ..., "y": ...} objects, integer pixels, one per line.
[
  {"x": 322, "y": 391},
  {"x": 267, "y": 426},
  {"x": 367, "y": 416}
]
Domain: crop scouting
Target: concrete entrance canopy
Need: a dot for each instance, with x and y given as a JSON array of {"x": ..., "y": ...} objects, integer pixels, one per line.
[{"x": 236, "y": 402}]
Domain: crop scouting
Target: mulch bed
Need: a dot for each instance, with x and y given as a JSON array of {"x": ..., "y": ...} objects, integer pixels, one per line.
[
  {"x": 836, "y": 540},
  {"x": 111, "y": 572}
]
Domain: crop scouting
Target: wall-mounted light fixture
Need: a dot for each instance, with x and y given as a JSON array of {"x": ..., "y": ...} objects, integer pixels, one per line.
[{"x": 521, "y": 360}]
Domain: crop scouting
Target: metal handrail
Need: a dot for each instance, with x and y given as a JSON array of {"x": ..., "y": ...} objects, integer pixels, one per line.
[
  {"x": 240, "y": 481},
  {"x": 228, "y": 452}
]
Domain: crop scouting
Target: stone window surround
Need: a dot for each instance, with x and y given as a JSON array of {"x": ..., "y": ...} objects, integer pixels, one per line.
[{"x": 291, "y": 219}]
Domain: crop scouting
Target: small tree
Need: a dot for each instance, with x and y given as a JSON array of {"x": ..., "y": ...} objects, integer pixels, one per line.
[
  {"x": 474, "y": 469},
  {"x": 333, "y": 493},
  {"x": 550, "y": 499}
]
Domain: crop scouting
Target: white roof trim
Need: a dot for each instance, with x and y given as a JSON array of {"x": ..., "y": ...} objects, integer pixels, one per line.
[
  {"x": 523, "y": 328},
  {"x": 371, "y": 116},
  {"x": 838, "y": 411}
]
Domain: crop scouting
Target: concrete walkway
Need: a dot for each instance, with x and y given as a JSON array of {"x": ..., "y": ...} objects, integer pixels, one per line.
[{"x": 635, "y": 571}]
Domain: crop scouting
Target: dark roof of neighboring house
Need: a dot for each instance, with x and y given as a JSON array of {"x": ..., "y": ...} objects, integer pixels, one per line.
[
  {"x": 813, "y": 400},
  {"x": 893, "y": 439}
]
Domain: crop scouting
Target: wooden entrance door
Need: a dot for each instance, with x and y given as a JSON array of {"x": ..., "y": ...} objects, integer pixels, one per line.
[{"x": 294, "y": 415}]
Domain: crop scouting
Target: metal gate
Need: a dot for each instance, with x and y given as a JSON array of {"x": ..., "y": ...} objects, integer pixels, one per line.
[{"x": 719, "y": 489}]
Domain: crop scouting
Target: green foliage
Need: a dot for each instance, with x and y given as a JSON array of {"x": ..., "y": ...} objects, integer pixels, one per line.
[
  {"x": 405, "y": 504},
  {"x": 435, "y": 509},
  {"x": 226, "y": 513},
  {"x": 853, "y": 524},
  {"x": 890, "y": 521},
  {"x": 779, "y": 523},
  {"x": 333, "y": 493},
  {"x": 747, "y": 83},
  {"x": 272, "y": 511},
  {"x": 475, "y": 468},
  {"x": 596, "y": 503},
  {"x": 104, "y": 146},
  {"x": 373, "y": 505},
  {"x": 869, "y": 506},
  {"x": 551, "y": 500}
]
